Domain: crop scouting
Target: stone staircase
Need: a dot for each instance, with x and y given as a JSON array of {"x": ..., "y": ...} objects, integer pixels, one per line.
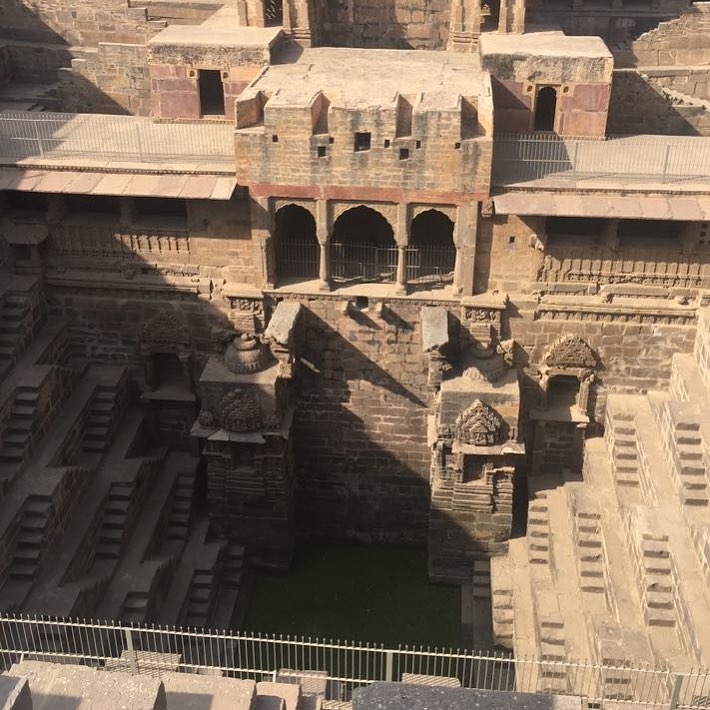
[
  {"x": 17, "y": 438},
  {"x": 106, "y": 409},
  {"x": 12, "y": 312},
  {"x": 636, "y": 528}
]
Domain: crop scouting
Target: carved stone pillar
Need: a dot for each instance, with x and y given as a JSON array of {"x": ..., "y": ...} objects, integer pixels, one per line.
[
  {"x": 402, "y": 239},
  {"x": 465, "y": 234},
  {"x": 401, "y": 288},
  {"x": 322, "y": 233},
  {"x": 519, "y": 17},
  {"x": 585, "y": 386},
  {"x": 264, "y": 259},
  {"x": 298, "y": 21},
  {"x": 465, "y": 25}
]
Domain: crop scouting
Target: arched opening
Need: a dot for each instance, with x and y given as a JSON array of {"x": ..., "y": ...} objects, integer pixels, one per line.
[
  {"x": 545, "y": 109},
  {"x": 562, "y": 392},
  {"x": 273, "y": 13},
  {"x": 432, "y": 254},
  {"x": 296, "y": 243},
  {"x": 363, "y": 247}
]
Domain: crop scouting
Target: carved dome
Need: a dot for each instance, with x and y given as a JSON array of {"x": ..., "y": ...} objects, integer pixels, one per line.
[
  {"x": 245, "y": 354},
  {"x": 240, "y": 411}
]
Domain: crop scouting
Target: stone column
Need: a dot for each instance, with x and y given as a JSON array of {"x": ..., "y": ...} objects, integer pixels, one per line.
[
  {"x": 504, "y": 16},
  {"x": 264, "y": 260},
  {"x": 323, "y": 235},
  {"x": 464, "y": 25},
  {"x": 402, "y": 238},
  {"x": 465, "y": 240},
  {"x": 585, "y": 386},
  {"x": 297, "y": 20},
  {"x": 519, "y": 17}
]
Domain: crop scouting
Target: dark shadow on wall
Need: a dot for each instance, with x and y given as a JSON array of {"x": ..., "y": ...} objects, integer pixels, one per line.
[
  {"x": 364, "y": 475},
  {"x": 63, "y": 74},
  {"x": 638, "y": 107}
]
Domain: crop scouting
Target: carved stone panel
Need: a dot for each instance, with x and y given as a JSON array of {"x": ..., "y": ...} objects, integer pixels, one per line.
[
  {"x": 165, "y": 332},
  {"x": 479, "y": 425},
  {"x": 570, "y": 351},
  {"x": 240, "y": 411}
]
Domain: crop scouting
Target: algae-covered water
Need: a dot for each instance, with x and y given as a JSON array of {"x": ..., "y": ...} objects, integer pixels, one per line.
[{"x": 357, "y": 593}]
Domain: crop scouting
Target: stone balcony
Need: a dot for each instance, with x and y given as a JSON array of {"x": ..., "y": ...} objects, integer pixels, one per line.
[
  {"x": 642, "y": 163},
  {"x": 100, "y": 141}
]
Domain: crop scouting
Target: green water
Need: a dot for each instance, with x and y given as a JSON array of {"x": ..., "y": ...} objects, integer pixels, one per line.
[{"x": 355, "y": 593}]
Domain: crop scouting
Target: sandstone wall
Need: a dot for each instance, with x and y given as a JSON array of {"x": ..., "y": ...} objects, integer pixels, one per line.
[
  {"x": 505, "y": 258},
  {"x": 111, "y": 79},
  {"x": 39, "y": 63},
  {"x": 361, "y": 423},
  {"x": 5, "y": 65},
  {"x": 635, "y": 349},
  {"x": 679, "y": 42},
  {"x": 285, "y": 151},
  {"x": 173, "y": 72},
  {"x": 617, "y": 25},
  {"x": 388, "y": 24},
  {"x": 86, "y": 23},
  {"x": 642, "y": 105}
]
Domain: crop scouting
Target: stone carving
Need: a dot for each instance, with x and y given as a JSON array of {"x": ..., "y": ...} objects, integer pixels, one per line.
[
  {"x": 479, "y": 425},
  {"x": 240, "y": 411},
  {"x": 506, "y": 349},
  {"x": 207, "y": 419},
  {"x": 165, "y": 331},
  {"x": 570, "y": 351},
  {"x": 245, "y": 354}
]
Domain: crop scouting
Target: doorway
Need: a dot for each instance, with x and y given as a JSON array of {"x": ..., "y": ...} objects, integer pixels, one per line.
[
  {"x": 545, "y": 108},
  {"x": 211, "y": 92}
]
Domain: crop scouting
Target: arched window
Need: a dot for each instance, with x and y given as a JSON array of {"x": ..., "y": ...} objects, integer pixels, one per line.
[
  {"x": 363, "y": 247},
  {"x": 296, "y": 244},
  {"x": 546, "y": 108},
  {"x": 432, "y": 254}
]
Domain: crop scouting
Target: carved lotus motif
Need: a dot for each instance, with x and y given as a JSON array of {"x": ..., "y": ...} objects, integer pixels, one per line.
[{"x": 479, "y": 425}]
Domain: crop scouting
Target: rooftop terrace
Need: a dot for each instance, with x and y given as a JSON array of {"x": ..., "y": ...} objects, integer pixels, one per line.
[{"x": 371, "y": 78}]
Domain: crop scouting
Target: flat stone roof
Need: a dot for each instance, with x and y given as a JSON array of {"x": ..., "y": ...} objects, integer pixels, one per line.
[
  {"x": 550, "y": 43},
  {"x": 219, "y": 35},
  {"x": 362, "y": 78}
]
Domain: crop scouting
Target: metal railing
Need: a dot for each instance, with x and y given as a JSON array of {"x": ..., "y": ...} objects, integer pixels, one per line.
[
  {"x": 358, "y": 261},
  {"x": 339, "y": 666},
  {"x": 365, "y": 262},
  {"x": 59, "y": 136},
  {"x": 521, "y": 158},
  {"x": 297, "y": 258}
]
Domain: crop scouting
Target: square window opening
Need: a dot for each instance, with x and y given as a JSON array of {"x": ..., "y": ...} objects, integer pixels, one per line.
[
  {"x": 362, "y": 142},
  {"x": 404, "y": 153},
  {"x": 321, "y": 151}
]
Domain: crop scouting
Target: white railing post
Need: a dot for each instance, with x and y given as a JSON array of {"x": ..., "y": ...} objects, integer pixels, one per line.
[
  {"x": 130, "y": 652},
  {"x": 675, "y": 693},
  {"x": 38, "y": 138},
  {"x": 389, "y": 666}
]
